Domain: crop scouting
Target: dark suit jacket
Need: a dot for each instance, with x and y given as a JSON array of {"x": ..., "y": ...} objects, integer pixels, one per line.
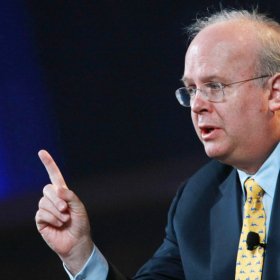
[{"x": 203, "y": 230}]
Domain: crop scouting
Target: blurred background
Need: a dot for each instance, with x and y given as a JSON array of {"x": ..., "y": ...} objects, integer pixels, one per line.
[{"x": 93, "y": 83}]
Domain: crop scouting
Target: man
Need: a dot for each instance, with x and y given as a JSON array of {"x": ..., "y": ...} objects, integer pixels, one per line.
[{"x": 232, "y": 86}]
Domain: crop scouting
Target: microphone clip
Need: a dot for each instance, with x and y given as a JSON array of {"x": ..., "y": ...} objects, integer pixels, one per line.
[{"x": 253, "y": 241}]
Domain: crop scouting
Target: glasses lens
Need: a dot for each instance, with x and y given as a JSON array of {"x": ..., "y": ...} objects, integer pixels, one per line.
[{"x": 183, "y": 96}]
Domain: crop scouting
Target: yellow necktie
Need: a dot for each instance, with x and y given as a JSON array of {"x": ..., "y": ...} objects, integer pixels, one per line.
[{"x": 249, "y": 263}]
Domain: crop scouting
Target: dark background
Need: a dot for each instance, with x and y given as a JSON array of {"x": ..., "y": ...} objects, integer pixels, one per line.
[{"x": 107, "y": 112}]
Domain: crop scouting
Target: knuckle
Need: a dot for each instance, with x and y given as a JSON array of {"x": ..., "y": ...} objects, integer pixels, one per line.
[
  {"x": 47, "y": 189},
  {"x": 44, "y": 203},
  {"x": 65, "y": 193},
  {"x": 41, "y": 202},
  {"x": 38, "y": 216},
  {"x": 71, "y": 194},
  {"x": 60, "y": 192}
]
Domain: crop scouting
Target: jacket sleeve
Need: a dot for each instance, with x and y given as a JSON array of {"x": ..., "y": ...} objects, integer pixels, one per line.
[
  {"x": 166, "y": 262},
  {"x": 114, "y": 274}
]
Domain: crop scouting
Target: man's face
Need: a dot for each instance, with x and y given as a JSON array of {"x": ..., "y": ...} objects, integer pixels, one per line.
[{"x": 235, "y": 130}]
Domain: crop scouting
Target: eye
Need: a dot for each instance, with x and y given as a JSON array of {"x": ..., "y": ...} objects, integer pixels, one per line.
[
  {"x": 191, "y": 90},
  {"x": 213, "y": 86}
]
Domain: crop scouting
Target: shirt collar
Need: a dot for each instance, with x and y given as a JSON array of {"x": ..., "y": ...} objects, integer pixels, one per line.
[{"x": 267, "y": 175}]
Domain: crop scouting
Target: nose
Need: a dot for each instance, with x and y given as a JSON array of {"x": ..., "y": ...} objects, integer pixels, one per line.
[{"x": 200, "y": 103}]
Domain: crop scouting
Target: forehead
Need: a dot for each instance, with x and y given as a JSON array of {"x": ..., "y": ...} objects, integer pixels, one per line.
[{"x": 222, "y": 50}]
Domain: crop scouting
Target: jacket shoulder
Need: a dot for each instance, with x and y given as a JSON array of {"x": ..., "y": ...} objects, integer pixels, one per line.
[
  {"x": 206, "y": 179},
  {"x": 213, "y": 170}
]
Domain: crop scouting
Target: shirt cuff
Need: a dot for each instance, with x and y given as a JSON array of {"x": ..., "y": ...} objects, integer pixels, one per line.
[{"x": 96, "y": 267}]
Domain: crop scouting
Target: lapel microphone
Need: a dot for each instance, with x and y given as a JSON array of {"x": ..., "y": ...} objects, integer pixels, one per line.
[{"x": 253, "y": 241}]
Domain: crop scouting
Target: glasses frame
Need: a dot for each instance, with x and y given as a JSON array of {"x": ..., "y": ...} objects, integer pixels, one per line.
[{"x": 185, "y": 98}]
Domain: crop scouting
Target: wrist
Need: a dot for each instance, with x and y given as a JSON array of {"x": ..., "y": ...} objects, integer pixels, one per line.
[{"x": 79, "y": 255}]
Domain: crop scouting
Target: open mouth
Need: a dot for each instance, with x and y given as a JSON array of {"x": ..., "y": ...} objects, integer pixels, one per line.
[{"x": 207, "y": 130}]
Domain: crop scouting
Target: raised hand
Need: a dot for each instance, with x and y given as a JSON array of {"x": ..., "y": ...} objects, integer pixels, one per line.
[{"x": 62, "y": 219}]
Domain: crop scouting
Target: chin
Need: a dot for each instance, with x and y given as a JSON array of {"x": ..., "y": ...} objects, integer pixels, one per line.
[{"x": 216, "y": 153}]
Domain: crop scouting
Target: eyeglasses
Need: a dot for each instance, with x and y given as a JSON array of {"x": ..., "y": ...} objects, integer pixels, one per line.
[{"x": 211, "y": 91}]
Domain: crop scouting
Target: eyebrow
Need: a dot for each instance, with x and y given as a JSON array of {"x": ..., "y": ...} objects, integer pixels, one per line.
[{"x": 186, "y": 80}]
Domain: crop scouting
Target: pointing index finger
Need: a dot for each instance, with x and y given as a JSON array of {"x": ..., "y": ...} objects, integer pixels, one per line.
[{"x": 52, "y": 169}]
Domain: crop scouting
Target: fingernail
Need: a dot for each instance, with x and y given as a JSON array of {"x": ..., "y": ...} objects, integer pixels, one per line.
[
  {"x": 61, "y": 206},
  {"x": 65, "y": 217},
  {"x": 59, "y": 223}
]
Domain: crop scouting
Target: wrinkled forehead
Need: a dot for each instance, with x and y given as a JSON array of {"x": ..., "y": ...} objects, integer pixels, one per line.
[{"x": 222, "y": 49}]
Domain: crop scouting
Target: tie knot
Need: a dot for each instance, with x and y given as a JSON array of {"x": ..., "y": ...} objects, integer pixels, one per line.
[{"x": 253, "y": 189}]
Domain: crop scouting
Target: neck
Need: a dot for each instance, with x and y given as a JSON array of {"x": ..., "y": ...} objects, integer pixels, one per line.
[{"x": 251, "y": 167}]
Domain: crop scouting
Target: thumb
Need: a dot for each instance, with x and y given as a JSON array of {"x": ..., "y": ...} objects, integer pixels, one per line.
[{"x": 74, "y": 203}]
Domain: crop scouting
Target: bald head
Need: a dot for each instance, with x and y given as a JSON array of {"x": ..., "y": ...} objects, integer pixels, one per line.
[
  {"x": 224, "y": 47},
  {"x": 265, "y": 30}
]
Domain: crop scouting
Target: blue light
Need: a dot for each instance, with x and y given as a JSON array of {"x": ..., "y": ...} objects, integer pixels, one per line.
[{"x": 25, "y": 115}]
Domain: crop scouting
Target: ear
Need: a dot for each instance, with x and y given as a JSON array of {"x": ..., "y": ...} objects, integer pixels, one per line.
[{"x": 274, "y": 98}]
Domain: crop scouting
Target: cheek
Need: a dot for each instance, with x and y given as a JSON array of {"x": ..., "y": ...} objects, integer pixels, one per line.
[
  {"x": 234, "y": 123},
  {"x": 241, "y": 125}
]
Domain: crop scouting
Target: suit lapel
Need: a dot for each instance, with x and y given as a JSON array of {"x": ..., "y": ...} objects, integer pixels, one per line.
[
  {"x": 226, "y": 222},
  {"x": 272, "y": 255}
]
